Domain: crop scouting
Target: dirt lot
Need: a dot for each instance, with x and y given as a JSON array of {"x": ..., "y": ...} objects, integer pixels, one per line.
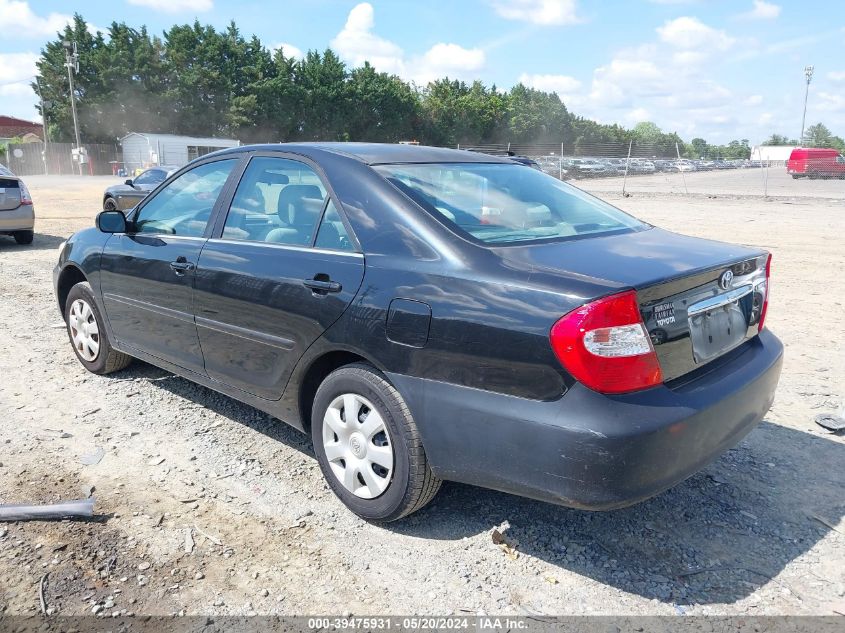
[{"x": 210, "y": 507}]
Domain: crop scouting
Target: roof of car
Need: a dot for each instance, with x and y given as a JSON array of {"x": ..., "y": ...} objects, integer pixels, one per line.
[{"x": 378, "y": 153}]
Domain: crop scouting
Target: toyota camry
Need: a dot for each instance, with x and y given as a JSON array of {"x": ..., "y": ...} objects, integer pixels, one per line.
[{"x": 432, "y": 314}]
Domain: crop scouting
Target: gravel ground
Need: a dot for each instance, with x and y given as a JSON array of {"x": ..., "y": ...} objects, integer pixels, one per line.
[{"x": 207, "y": 506}]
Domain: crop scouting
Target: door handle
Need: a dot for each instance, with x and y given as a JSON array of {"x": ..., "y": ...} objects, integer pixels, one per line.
[
  {"x": 181, "y": 266},
  {"x": 322, "y": 285}
]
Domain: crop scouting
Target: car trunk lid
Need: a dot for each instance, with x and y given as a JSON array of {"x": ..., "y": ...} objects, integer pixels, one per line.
[
  {"x": 698, "y": 298},
  {"x": 10, "y": 194}
]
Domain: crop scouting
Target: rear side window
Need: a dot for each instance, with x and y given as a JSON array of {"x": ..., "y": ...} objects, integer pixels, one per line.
[
  {"x": 332, "y": 233},
  {"x": 498, "y": 203},
  {"x": 278, "y": 201}
]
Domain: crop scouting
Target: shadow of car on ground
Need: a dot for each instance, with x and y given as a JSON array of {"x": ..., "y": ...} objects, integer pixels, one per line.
[{"x": 714, "y": 538}]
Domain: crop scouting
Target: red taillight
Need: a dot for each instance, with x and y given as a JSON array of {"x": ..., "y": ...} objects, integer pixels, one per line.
[
  {"x": 26, "y": 198},
  {"x": 766, "y": 294},
  {"x": 605, "y": 346}
]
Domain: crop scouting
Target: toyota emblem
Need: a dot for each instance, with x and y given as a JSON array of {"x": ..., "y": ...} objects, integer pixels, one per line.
[{"x": 726, "y": 279}]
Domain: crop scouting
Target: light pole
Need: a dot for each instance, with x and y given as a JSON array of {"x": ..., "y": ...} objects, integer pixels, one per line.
[
  {"x": 43, "y": 124},
  {"x": 808, "y": 73},
  {"x": 72, "y": 64}
]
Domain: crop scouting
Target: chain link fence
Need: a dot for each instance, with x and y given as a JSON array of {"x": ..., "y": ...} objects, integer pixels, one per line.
[
  {"x": 57, "y": 159},
  {"x": 640, "y": 168},
  {"x": 603, "y": 168}
]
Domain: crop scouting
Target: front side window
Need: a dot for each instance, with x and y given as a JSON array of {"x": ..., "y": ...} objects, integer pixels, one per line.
[
  {"x": 184, "y": 206},
  {"x": 278, "y": 201},
  {"x": 505, "y": 203},
  {"x": 150, "y": 177}
]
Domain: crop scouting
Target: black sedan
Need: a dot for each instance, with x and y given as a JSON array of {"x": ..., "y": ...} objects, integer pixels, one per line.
[
  {"x": 133, "y": 190},
  {"x": 430, "y": 314}
]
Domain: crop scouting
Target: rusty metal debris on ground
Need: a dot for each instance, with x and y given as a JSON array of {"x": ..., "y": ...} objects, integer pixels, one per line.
[
  {"x": 41, "y": 594},
  {"x": 77, "y": 509}
]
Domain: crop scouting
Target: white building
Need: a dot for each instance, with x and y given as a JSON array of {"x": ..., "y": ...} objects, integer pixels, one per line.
[
  {"x": 772, "y": 153},
  {"x": 141, "y": 149}
]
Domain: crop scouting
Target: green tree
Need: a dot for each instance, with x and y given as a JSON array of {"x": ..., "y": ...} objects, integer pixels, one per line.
[
  {"x": 779, "y": 139},
  {"x": 535, "y": 116},
  {"x": 383, "y": 107},
  {"x": 818, "y": 135}
]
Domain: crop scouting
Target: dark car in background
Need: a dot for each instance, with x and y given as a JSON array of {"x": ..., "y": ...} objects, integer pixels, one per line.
[
  {"x": 17, "y": 213},
  {"x": 431, "y": 314},
  {"x": 133, "y": 190}
]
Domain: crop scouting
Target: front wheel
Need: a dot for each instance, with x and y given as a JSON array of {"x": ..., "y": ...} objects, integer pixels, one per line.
[
  {"x": 368, "y": 445},
  {"x": 87, "y": 333},
  {"x": 109, "y": 205}
]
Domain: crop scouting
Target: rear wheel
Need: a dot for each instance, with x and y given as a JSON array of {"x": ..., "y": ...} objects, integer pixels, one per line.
[
  {"x": 87, "y": 333},
  {"x": 368, "y": 445},
  {"x": 24, "y": 237}
]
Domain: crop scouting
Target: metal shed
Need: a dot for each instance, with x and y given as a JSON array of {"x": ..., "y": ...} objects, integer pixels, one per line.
[{"x": 142, "y": 149}]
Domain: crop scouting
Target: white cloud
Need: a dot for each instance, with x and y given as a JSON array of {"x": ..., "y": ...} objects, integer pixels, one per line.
[
  {"x": 638, "y": 115},
  {"x": 543, "y": 12},
  {"x": 446, "y": 60},
  {"x": 357, "y": 42},
  {"x": 689, "y": 33},
  {"x": 16, "y": 67},
  {"x": 762, "y": 11},
  {"x": 567, "y": 88},
  {"x": 19, "y": 20},
  {"x": 753, "y": 100},
  {"x": 175, "y": 6},
  {"x": 830, "y": 102},
  {"x": 836, "y": 75},
  {"x": 290, "y": 51}
]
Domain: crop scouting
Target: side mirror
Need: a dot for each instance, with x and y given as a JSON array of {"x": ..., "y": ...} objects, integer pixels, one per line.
[
  {"x": 128, "y": 182},
  {"x": 111, "y": 222}
]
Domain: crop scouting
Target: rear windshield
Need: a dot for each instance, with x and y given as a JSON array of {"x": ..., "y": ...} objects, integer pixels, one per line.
[{"x": 500, "y": 204}]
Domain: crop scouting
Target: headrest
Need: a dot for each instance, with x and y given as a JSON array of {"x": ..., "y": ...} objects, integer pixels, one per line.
[
  {"x": 292, "y": 199},
  {"x": 273, "y": 178}
]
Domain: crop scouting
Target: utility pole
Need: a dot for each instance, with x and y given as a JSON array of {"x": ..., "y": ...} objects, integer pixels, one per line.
[
  {"x": 72, "y": 63},
  {"x": 43, "y": 124},
  {"x": 808, "y": 73}
]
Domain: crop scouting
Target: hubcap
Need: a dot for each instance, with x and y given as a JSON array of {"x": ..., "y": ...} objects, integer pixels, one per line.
[
  {"x": 84, "y": 331},
  {"x": 358, "y": 446}
]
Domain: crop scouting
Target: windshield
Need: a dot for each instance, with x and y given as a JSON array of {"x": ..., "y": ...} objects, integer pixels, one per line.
[{"x": 500, "y": 203}]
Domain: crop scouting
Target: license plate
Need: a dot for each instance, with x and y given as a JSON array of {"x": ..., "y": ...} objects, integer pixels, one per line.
[{"x": 717, "y": 325}]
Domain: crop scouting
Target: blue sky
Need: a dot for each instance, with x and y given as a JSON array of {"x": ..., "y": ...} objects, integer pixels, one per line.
[{"x": 711, "y": 68}]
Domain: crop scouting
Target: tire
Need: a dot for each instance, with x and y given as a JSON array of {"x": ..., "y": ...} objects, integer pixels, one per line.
[
  {"x": 109, "y": 205},
  {"x": 410, "y": 483},
  {"x": 80, "y": 312},
  {"x": 24, "y": 237}
]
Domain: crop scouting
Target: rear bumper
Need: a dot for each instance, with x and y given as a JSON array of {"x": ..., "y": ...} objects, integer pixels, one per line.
[
  {"x": 591, "y": 451},
  {"x": 20, "y": 219}
]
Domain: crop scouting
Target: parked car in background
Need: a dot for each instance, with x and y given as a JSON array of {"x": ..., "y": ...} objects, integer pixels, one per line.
[
  {"x": 17, "y": 213},
  {"x": 588, "y": 168},
  {"x": 133, "y": 190},
  {"x": 641, "y": 166},
  {"x": 811, "y": 162},
  {"x": 685, "y": 165},
  {"x": 430, "y": 314}
]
